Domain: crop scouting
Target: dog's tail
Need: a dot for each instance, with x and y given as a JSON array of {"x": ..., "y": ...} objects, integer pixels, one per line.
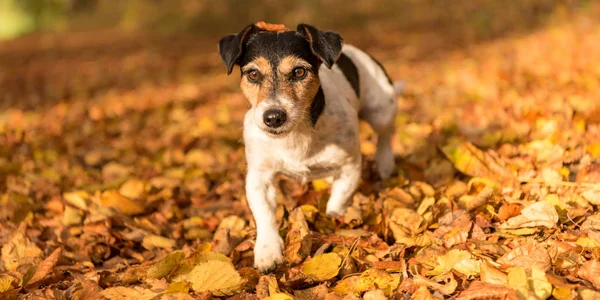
[{"x": 399, "y": 87}]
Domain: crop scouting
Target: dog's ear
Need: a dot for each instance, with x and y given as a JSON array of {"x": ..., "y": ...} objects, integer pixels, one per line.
[
  {"x": 325, "y": 45},
  {"x": 232, "y": 46}
]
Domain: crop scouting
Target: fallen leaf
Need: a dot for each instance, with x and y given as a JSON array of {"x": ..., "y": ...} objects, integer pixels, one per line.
[
  {"x": 132, "y": 188},
  {"x": 539, "y": 213},
  {"x": 19, "y": 250},
  {"x": 121, "y": 292},
  {"x": 77, "y": 199},
  {"x": 44, "y": 268},
  {"x": 458, "y": 260},
  {"x": 155, "y": 241},
  {"x": 469, "y": 160},
  {"x": 127, "y": 206},
  {"x": 322, "y": 267},
  {"x": 166, "y": 266},
  {"x": 590, "y": 271},
  {"x": 527, "y": 256},
  {"x": 482, "y": 290},
  {"x": 217, "y": 277}
]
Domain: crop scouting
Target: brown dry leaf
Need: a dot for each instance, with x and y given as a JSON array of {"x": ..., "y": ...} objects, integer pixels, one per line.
[
  {"x": 540, "y": 213},
  {"x": 322, "y": 267},
  {"x": 591, "y": 222},
  {"x": 89, "y": 290},
  {"x": 482, "y": 290},
  {"x": 44, "y": 268},
  {"x": 121, "y": 292},
  {"x": 165, "y": 266},
  {"x": 19, "y": 250},
  {"x": 217, "y": 277},
  {"x": 317, "y": 292},
  {"x": 590, "y": 271},
  {"x": 115, "y": 200},
  {"x": 527, "y": 256},
  {"x": 297, "y": 242}
]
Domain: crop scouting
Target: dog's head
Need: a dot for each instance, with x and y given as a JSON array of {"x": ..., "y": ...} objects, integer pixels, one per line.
[{"x": 279, "y": 70}]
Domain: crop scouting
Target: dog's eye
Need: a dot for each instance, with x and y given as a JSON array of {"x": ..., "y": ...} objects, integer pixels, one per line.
[
  {"x": 299, "y": 73},
  {"x": 253, "y": 75}
]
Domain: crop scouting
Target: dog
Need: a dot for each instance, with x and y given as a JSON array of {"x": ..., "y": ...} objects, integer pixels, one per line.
[{"x": 307, "y": 92}]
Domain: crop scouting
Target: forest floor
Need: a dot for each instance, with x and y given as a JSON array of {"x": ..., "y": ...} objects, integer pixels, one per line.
[{"x": 122, "y": 175}]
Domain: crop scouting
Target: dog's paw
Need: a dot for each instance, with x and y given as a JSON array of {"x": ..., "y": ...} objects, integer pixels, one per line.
[
  {"x": 335, "y": 210},
  {"x": 268, "y": 254},
  {"x": 385, "y": 163}
]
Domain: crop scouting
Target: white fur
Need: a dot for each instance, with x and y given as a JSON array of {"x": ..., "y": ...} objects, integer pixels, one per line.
[{"x": 331, "y": 148}]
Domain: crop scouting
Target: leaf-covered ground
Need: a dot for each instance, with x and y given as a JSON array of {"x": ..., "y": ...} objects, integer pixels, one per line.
[{"x": 122, "y": 174}]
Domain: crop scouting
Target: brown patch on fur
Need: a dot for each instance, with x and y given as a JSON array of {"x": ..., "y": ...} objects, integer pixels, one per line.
[
  {"x": 258, "y": 92},
  {"x": 264, "y": 26},
  {"x": 302, "y": 91}
]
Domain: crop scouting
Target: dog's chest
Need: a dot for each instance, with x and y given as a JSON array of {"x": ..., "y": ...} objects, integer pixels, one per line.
[
  {"x": 308, "y": 167},
  {"x": 298, "y": 157}
]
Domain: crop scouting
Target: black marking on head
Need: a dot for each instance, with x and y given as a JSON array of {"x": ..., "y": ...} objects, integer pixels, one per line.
[
  {"x": 274, "y": 46},
  {"x": 231, "y": 47},
  {"x": 326, "y": 45},
  {"x": 317, "y": 106},
  {"x": 382, "y": 68},
  {"x": 350, "y": 72}
]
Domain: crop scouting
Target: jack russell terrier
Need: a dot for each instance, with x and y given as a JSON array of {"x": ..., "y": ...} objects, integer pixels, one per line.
[{"x": 307, "y": 92}]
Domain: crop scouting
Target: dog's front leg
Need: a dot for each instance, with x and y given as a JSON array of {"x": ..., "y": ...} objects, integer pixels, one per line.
[
  {"x": 342, "y": 188},
  {"x": 262, "y": 199}
]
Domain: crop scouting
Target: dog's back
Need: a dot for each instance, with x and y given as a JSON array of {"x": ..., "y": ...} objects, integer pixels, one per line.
[{"x": 363, "y": 82}]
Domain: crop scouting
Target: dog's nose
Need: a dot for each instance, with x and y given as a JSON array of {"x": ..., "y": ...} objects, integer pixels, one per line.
[{"x": 274, "y": 118}]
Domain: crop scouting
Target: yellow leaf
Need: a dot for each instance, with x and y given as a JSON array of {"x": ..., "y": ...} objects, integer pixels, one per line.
[
  {"x": 517, "y": 280},
  {"x": 322, "y": 267},
  {"x": 280, "y": 296},
  {"x": 320, "y": 184},
  {"x": 20, "y": 250},
  {"x": 471, "y": 161},
  {"x": 489, "y": 274},
  {"x": 115, "y": 200},
  {"x": 132, "y": 188},
  {"x": 6, "y": 283},
  {"x": 459, "y": 260},
  {"x": 166, "y": 265},
  {"x": 539, "y": 284},
  {"x": 178, "y": 287},
  {"x": 155, "y": 241},
  {"x": 217, "y": 277},
  {"x": 77, "y": 199},
  {"x": 121, "y": 292},
  {"x": 587, "y": 242}
]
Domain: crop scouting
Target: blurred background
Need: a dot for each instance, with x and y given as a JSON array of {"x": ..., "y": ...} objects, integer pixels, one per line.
[{"x": 56, "y": 50}]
